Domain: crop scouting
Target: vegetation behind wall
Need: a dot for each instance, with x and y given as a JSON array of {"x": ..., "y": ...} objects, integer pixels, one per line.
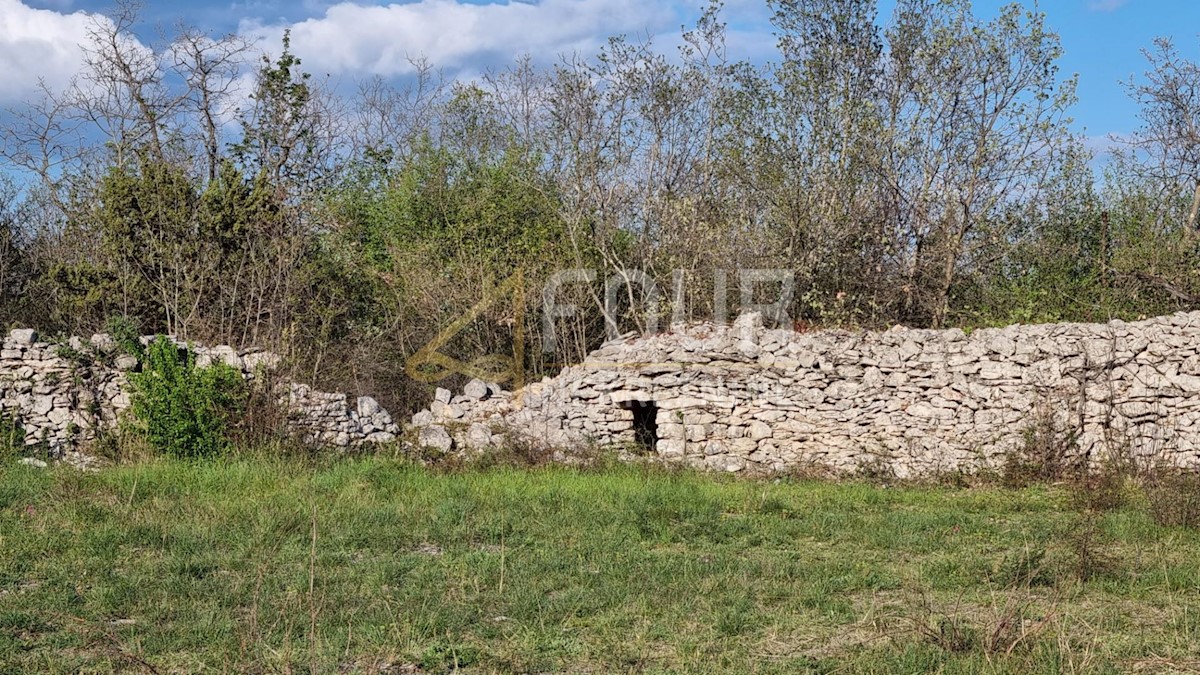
[{"x": 916, "y": 168}]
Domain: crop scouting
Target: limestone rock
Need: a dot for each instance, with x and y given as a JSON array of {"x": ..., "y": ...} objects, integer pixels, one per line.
[
  {"x": 103, "y": 343},
  {"x": 476, "y": 389},
  {"x": 479, "y": 437},
  {"x": 446, "y": 411},
  {"x": 261, "y": 361},
  {"x": 367, "y": 406},
  {"x": 758, "y": 430},
  {"x": 435, "y": 437},
  {"x": 227, "y": 355}
]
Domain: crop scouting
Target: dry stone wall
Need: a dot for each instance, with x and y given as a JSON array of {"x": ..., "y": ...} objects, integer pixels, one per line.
[
  {"x": 733, "y": 398},
  {"x": 742, "y": 397},
  {"x": 63, "y": 394}
]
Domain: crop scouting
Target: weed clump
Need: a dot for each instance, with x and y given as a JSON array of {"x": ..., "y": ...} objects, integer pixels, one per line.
[
  {"x": 1018, "y": 624},
  {"x": 1173, "y": 497},
  {"x": 12, "y": 437},
  {"x": 517, "y": 451},
  {"x": 1049, "y": 452},
  {"x": 1024, "y": 567},
  {"x": 1106, "y": 489},
  {"x": 1091, "y": 554}
]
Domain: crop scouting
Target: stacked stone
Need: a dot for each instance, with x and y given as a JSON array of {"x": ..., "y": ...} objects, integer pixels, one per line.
[
  {"x": 917, "y": 401},
  {"x": 249, "y": 362},
  {"x": 62, "y": 395},
  {"x": 327, "y": 419},
  {"x": 473, "y": 420},
  {"x": 53, "y": 401},
  {"x": 735, "y": 398}
]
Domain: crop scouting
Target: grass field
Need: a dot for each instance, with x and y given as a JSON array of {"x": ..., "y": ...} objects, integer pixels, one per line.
[{"x": 373, "y": 565}]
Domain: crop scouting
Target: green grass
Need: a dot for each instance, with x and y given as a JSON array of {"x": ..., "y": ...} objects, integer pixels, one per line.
[{"x": 373, "y": 565}]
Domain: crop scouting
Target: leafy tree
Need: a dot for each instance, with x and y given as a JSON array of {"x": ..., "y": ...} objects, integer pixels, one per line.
[{"x": 289, "y": 131}]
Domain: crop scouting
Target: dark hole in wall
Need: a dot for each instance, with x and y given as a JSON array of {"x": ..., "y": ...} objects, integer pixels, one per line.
[{"x": 645, "y": 423}]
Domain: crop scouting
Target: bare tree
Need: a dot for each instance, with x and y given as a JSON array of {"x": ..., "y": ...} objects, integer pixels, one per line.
[
  {"x": 210, "y": 67},
  {"x": 123, "y": 86},
  {"x": 976, "y": 119},
  {"x": 390, "y": 119},
  {"x": 1166, "y": 148}
]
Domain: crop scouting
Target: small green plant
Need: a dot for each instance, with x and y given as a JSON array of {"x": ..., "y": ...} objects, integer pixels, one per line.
[
  {"x": 1091, "y": 557},
  {"x": 443, "y": 657},
  {"x": 125, "y": 334},
  {"x": 75, "y": 356},
  {"x": 183, "y": 410},
  {"x": 12, "y": 436},
  {"x": 1024, "y": 567}
]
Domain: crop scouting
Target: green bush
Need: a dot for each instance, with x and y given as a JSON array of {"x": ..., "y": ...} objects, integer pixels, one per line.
[
  {"x": 181, "y": 409},
  {"x": 124, "y": 332}
]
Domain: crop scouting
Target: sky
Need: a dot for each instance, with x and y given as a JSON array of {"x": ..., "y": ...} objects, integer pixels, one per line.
[{"x": 1103, "y": 39}]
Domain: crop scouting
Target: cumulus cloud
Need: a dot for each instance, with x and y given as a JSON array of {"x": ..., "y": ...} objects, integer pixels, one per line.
[
  {"x": 379, "y": 40},
  {"x": 38, "y": 43},
  {"x": 352, "y": 39}
]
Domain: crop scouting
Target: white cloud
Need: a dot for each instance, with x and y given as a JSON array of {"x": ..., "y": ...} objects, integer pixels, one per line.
[
  {"x": 1103, "y": 145},
  {"x": 37, "y": 43},
  {"x": 353, "y": 38},
  {"x": 1106, "y": 5}
]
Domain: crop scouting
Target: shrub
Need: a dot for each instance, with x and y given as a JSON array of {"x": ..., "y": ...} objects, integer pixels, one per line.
[
  {"x": 1174, "y": 497},
  {"x": 1104, "y": 489},
  {"x": 1091, "y": 557},
  {"x": 1049, "y": 452},
  {"x": 263, "y": 422},
  {"x": 183, "y": 410},
  {"x": 124, "y": 332}
]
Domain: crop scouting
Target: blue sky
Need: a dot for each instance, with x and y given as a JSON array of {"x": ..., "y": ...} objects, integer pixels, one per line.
[{"x": 1103, "y": 39}]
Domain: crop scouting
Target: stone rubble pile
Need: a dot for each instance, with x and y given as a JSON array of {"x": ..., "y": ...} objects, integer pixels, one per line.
[
  {"x": 742, "y": 397},
  {"x": 477, "y": 418},
  {"x": 62, "y": 395}
]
